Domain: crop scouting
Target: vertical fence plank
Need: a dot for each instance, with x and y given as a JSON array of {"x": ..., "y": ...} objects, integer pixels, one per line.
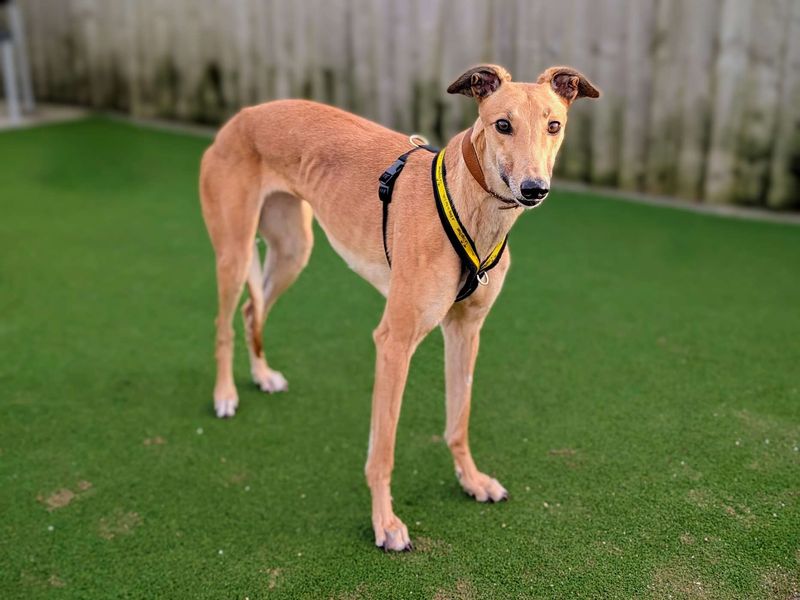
[
  {"x": 222, "y": 30},
  {"x": 188, "y": 58},
  {"x": 117, "y": 40},
  {"x": 696, "y": 66},
  {"x": 666, "y": 98},
  {"x": 299, "y": 48},
  {"x": 528, "y": 60},
  {"x": 242, "y": 34},
  {"x": 503, "y": 33},
  {"x": 100, "y": 57},
  {"x": 62, "y": 53},
  {"x": 427, "y": 53},
  {"x": 130, "y": 71},
  {"x": 574, "y": 162},
  {"x": 32, "y": 15},
  {"x": 315, "y": 24},
  {"x": 143, "y": 106},
  {"x": 333, "y": 52},
  {"x": 80, "y": 12},
  {"x": 276, "y": 34},
  {"x": 761, "y": 102},
  {"x": 728, "y": 109},
  {"x": 382, "y": 48},
  {"x": 400, "y": 66},
  {"x": 264, "y": 65},
  {"x": 784, "y": 191},
  {"x": 607, "y": 114},
  {"x": 362, "y": 34},
  {"x": 465, "y": 42},
  {"x": 640, "y": 18}
]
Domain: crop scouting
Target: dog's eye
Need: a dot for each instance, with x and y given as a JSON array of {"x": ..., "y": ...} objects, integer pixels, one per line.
[
  {"x": 503, "y": 126},
  {"x": 553, "y": 127}
]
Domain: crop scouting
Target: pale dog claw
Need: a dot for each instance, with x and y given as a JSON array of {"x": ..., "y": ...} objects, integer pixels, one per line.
[
  {"x": 502, "y": 498},
  {"x": 272, "y": 383},
  {"x": 407, "y": 548},
  {"x": 394, "y": 540},
  {"x": 225, "y": 408},
  {"x": 488, "y": 490}
]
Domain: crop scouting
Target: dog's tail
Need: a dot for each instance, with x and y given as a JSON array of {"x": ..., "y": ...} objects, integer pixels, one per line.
[{"x": 253, "y": 309}]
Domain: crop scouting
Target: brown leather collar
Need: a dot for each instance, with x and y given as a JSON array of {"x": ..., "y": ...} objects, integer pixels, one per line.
[
  {"x": 471, "y": 160},
  {"x": 474, "y": 167}
]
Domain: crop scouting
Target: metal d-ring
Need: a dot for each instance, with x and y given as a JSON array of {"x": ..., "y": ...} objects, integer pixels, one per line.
[
  {"x": 418, "y": 140},
  {"x": 483, "y": 278}
]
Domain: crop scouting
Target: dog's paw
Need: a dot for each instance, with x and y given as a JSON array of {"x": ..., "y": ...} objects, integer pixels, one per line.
[
  {"x": 271, "y": 381},
  {"x": 226, "y": 406},
  {"x": 391, "y": 535},
  {"x": 483, "y": 488}
]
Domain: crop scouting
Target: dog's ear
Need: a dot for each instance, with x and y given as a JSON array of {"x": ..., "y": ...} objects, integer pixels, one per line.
[
  {"x": 480, "y": 82},
  {"x": 569, "y": 84}
]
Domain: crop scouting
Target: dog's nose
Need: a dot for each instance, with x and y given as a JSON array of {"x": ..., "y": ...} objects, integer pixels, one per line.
[{"x": 533, "y": 189}]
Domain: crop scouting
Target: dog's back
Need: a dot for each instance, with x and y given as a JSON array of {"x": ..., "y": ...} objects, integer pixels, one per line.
[{"x": 307, "y": 138}]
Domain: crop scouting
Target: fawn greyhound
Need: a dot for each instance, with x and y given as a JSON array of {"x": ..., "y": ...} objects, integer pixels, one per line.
[{"x": 275, "y": 166}]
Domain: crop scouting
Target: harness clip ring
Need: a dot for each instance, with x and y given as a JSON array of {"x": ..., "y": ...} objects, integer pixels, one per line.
[
  {"x": 418, "y": 140},
  {"x": 483, "y": 278}
]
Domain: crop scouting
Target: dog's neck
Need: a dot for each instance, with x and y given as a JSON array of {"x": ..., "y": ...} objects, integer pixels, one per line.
[{"x": 486, "y": 218}]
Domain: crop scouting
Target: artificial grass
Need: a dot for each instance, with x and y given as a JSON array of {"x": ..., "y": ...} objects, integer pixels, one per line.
[{"x": 637, "y": 392}]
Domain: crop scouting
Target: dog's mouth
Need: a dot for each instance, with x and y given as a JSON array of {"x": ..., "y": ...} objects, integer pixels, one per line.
[
  {"x": 533, "y": 203},
  {"x": 510, "y": 203},
  {"x": 520, "y": 203}
]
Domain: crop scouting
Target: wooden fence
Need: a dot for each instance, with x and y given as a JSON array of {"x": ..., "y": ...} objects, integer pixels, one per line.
[{"x": 702, "y": 97}]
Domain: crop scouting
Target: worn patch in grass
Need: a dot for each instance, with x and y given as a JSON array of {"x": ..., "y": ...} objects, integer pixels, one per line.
[
  {"x": 58, "y": 499},
  {"x": 463, "y": 590},
  {"x": 680, "y": 582},
  {"x": 779, "y": 583},
  {"x": 273, "y": 574},
  {"x": 425, "y": 545},
  {"x": 64, "y": 496},
  {"x": 687, "y": 538},
  {"x": 119, "y": 523}
]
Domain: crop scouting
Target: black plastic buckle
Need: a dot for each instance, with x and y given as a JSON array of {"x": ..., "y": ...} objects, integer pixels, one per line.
[{"x": 388, "y": 179}]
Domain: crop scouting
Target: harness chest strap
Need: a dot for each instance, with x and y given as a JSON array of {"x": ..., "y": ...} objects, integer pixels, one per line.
[
  {"x": 386, "y": 186},
  {"x": 458, "y": 235}
]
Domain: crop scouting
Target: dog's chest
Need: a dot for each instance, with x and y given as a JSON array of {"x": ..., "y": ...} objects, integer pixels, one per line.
[{"x": 376, "y": 273}]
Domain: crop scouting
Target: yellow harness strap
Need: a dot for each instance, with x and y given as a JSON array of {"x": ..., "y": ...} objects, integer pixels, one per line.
[{"x": 458, "y": 235}]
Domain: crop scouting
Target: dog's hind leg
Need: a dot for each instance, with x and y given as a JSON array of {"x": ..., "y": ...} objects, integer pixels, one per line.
[
  {"x": 286, "y": 225},
  {"x": 231, "y": 209}
]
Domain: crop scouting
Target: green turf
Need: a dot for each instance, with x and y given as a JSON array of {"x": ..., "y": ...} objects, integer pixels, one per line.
[{"x": 637, "y": 393}]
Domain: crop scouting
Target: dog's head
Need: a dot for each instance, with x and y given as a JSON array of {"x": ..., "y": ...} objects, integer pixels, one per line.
[{"x": 521, "y": 125}]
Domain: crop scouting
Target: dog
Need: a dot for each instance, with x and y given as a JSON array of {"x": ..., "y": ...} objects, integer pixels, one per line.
[{"x": 272, "y": 168}]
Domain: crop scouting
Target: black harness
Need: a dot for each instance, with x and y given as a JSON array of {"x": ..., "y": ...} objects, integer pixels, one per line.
[
  {"x": 476, "y": 269},
  {"x": 386, "y": 187}
]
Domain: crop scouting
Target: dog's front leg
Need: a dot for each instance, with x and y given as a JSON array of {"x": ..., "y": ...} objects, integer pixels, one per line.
[
  {"x": 461, "y": 328},
  {"x": 396, "y": 338}
]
